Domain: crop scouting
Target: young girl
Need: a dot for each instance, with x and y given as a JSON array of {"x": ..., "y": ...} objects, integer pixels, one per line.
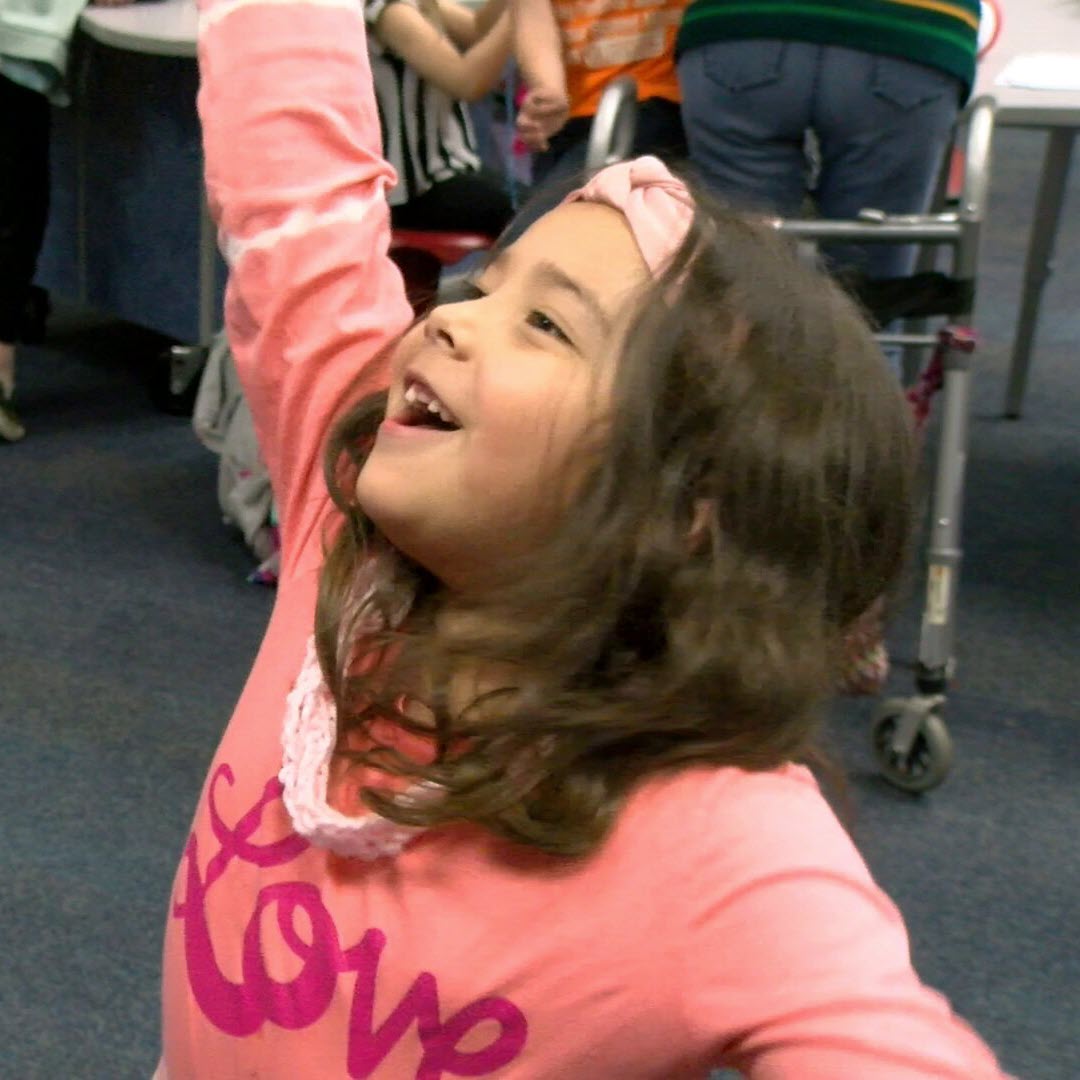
[
  {"x": 511, "y": 790},
  {"x": 429, "y": 58}
]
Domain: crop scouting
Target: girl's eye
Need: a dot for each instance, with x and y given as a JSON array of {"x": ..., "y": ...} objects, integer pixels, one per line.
[
  {"x": 468, "y": 289},
  {"x": 545, "y": 325}
]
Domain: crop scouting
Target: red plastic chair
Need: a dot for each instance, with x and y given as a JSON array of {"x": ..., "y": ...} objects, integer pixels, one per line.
[{"x": 421, "y": 254}]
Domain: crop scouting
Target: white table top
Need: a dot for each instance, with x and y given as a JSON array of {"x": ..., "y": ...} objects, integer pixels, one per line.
[
  {"x": 164, "y": 28},
  {"x": 1033, "y": 26},
  {"x": 168, "y": 28}
]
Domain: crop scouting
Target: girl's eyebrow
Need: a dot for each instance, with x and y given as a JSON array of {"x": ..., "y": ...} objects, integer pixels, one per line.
[{"x": 547, "y": 273}]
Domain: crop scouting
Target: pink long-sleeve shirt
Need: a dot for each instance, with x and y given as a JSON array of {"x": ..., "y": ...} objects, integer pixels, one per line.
[{"x": 727, "y": 920}]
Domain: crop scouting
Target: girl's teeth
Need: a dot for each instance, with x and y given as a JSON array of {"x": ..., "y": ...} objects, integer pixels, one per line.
[
  {"x": 441, "y": 411},
  {"x": 415, "y": 395}
]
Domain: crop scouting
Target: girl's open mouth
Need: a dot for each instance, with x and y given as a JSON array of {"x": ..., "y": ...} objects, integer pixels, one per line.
[{"x": 423, "y": 408}]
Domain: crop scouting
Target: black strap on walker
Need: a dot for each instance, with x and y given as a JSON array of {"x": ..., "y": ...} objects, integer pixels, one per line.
[{"x": 917, "y": 296}]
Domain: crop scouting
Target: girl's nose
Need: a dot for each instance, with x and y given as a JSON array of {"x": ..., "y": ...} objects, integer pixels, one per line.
[{"x": 451, "y": 328}]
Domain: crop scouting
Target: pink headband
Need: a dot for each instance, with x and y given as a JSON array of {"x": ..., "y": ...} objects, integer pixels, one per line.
[{"x": 656, "y": 204}]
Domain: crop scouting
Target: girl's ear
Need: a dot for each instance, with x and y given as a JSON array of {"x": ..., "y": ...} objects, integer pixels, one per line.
[{"x": 703, "y": 528}]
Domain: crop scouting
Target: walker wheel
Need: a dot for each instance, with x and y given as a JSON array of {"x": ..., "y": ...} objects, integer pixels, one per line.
[{"x": 924, "y": 764}]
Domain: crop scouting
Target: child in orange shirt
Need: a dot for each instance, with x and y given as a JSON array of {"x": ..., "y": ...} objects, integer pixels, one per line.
[{"x": 569, "y": 51}]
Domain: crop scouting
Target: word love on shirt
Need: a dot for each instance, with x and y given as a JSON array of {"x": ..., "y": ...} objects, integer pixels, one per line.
[{"x": 240, "y": 1009}]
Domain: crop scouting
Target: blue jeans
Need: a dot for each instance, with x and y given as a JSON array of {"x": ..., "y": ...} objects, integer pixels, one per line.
[{"x": 882, "y": 127}]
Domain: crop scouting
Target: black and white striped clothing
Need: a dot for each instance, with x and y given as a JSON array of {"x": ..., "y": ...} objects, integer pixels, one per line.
[{"x": 428, "y": 137}]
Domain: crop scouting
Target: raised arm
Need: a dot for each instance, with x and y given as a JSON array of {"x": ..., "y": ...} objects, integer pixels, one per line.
[
  {"x": 466, "y": 75},
  {"x": 297, "y": 184}
]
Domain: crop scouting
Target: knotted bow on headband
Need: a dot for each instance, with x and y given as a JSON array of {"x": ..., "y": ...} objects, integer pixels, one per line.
[{"x": 656, "y": 205}]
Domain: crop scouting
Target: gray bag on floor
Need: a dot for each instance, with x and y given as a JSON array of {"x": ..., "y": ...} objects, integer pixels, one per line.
[{"x": 223, "y": 423}]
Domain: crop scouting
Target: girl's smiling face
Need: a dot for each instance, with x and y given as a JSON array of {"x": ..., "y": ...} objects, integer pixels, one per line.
[{"x": 492, "y": 399}]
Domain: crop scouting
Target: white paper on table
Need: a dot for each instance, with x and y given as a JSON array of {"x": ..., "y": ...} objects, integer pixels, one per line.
[{"x": 1043, "y": 71}]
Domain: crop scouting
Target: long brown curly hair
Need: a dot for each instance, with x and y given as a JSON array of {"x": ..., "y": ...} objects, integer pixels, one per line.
[{"x": 753, "y": 499}]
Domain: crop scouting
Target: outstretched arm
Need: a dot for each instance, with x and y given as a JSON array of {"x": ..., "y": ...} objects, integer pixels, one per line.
[
  {"x": 793, "y": 962},
  {"x": 297, "y": 184}
]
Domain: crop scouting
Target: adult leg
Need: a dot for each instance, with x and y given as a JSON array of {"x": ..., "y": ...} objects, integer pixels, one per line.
[
  {"x": 560, "y": 169},
  {"x": 565, "y": 156},
  {"x": 884, "y": 126},
  {"x": 24, "y": 197},
  {"x": 24, "y": 207},
  {"x": 555, "y": 172},
  {"x": 746, "y": 108},
  {"x": 659, "y": 130}
]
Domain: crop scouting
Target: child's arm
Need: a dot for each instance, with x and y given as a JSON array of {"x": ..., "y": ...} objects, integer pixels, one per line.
[
  {"x": 539, "y": 54},
  {"x": 465, "y": 76},
  {"x": 538, "y": 46},
  {"x": 466, "y": 25},
  {"x": 794, "y": 963},
  {"x": 297, "y": 184}
]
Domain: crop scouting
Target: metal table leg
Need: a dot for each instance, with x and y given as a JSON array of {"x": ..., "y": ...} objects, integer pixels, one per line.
[
  {"x": 186, "y": 362},
  {"x": 1039, "y": 264},
  {"x": 209, "y": 315}
]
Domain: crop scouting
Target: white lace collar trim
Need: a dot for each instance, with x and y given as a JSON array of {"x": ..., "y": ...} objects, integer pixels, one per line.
[{"x": 308, "y": 738}]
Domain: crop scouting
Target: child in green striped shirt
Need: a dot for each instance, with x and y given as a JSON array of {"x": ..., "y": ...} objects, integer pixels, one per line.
[{"x": 877, "y": 83}]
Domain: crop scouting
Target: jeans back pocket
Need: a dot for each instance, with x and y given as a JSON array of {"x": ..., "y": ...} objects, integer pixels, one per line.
[
  {"x": 735, "y": 66},
  {"x": 909, "y": 85}
]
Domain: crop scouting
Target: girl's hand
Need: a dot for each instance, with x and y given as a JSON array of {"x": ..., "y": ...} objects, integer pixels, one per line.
[{"x": 542, "y": 114}]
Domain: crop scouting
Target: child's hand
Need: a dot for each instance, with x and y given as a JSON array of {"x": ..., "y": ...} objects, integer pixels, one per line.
[{"x": 541, "y": 115}]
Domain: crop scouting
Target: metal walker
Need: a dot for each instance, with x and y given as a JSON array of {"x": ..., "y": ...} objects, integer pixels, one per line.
[{"x": 910, "y": 739}]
